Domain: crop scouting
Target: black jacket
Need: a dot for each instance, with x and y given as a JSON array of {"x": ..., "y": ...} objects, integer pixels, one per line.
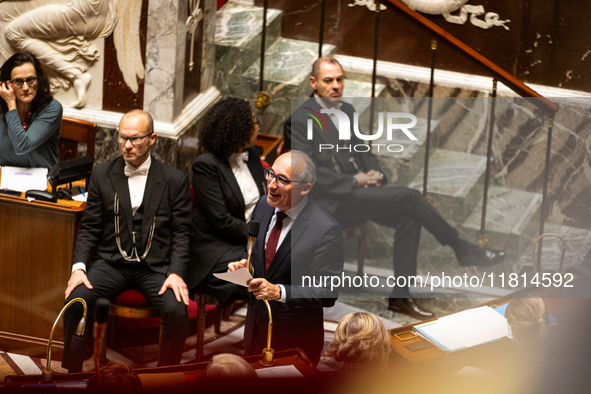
[
  {"x": 167, "y": 199},
  {"x": 218, "y": 219},
  {"x": 334, "y": 182},
  {"x": 313, "y": 247}
]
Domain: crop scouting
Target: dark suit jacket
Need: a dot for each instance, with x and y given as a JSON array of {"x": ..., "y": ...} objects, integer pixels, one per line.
[
  {"x": 167, "y": 198},
  {"x": 218, "y": 219},
  {"x": 334, "y": 182},
  {"x": 313, "y": 247}
]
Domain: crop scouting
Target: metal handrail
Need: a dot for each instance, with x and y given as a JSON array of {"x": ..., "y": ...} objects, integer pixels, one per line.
[{"x": 497, "y": 72}]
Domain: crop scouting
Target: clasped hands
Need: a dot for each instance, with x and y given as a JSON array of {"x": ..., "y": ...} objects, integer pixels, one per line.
[
  {"x": 173, "y": 281},
  {"x": 370, "y": 178},
  {"x": 260, "y": 287}
]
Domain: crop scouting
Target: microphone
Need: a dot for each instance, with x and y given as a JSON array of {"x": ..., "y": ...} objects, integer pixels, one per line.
[
  {"x": 253, "y": 232},
  {"x": 77, "y": 344},
  {"x": 101, "y": 317}
]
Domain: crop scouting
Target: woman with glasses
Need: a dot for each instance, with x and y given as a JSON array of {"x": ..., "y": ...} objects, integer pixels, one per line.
[
  {"x": 30, "y": 119},
  {"x": 227, "y": 181}
]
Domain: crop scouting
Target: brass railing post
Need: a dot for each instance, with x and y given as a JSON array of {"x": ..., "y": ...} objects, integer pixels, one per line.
[
  {"x": 429, "y": 115},
  {"x": 321, "y": 33},
  {"x": 545, "y": 187},
  {"x": 263, "y": 99},
  {"x": 374, "y": 74},
  {"x": 484, "y": 240}
]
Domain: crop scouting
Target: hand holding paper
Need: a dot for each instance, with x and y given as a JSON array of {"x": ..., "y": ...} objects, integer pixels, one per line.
[{"x": 240, "y": 277}]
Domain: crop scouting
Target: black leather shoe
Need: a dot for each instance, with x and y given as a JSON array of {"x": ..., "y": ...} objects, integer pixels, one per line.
[
  {"x": 409, "y": 307},
  {"x": 480, "y": 257}
]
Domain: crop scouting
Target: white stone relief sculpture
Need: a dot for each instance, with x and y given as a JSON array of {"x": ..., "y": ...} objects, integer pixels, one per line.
[
  {"x": 445, "y": 8},
  {"x": 58, "y": 33},
  {"x": 195, "y": 16}
]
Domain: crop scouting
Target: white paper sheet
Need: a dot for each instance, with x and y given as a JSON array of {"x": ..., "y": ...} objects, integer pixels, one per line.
[
  {"x": 239, "y": 277},
  {"x": 474, "y": 326},
  {"x": 285, "y": 371},
  {"x": 23, "y": 179}
]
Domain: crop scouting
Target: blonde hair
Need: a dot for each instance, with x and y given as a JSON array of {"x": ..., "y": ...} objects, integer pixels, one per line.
[
  {"x": 360, "y": 338},
  {"x": 228, "y": 365},
  {"x": 528, "y": 318}
]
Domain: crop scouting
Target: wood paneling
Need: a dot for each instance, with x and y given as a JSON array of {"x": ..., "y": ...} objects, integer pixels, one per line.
[{"x": 36, "y": 246}]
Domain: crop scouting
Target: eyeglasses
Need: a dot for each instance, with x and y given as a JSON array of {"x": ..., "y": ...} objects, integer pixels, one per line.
[
  {"x": 280, "y": 179},
  {"x": 31, "y": 82},
  {"x": 134, "y": 140}
]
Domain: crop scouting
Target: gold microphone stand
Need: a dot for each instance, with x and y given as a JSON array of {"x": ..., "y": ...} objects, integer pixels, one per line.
[
  {"x": 267, "y": 360},
  {"x": 47, "y": 371}
]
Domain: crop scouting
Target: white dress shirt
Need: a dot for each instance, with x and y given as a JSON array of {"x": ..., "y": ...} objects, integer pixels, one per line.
[
  {"x": 246, "y": 182},
  {"x": 292, "y": 215},
  {"x": 137, "y": 185},
  {"x": 136, "y": 181}
]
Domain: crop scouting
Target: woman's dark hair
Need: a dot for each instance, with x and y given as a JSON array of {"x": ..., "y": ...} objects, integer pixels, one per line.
[
  {"x": 226, "y": 128},
  {"x": 43, "y": 97}
]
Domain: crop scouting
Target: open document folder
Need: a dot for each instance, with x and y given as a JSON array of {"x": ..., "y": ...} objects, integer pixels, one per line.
[{"x": 464, "y": 329}]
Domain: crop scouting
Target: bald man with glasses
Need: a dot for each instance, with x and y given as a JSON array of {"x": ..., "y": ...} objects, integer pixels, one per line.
[{"x": 135, "y": 232}]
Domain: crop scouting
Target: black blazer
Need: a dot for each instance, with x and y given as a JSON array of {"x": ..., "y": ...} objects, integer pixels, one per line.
[
  {"x": 218, "y": 219},
  {"x": 334, "y": 183},
  {"x": 168, "y": 199},
  {"x": 313, "y": 247}
]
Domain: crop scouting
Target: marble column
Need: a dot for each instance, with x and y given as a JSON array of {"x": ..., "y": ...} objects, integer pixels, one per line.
[{"x": 165, "y": 58}]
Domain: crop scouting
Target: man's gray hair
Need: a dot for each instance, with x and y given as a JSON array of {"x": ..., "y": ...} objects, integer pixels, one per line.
[{"x": 308, "y": 174}]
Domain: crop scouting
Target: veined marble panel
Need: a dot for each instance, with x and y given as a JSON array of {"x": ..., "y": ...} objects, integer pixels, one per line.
[
  {"x": 508, "y": 211},
  {"x": 288, "y": 64},
  {"x": 401, "y": 167},
  {"x": 208, "y": 47},
  {"x": 288, "y": 61},
  {"x": 239, "y": 26},
  {"x": 238, "y": 42},
  {"x": 165, "y": 55},
  {"x": 578, "y": 246},
  {"x": 512, "y": 220},
  {"x": 455, "y": 182}
]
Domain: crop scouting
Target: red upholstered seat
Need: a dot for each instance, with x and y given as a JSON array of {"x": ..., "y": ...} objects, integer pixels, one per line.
[{"x": 134, "y": 298}]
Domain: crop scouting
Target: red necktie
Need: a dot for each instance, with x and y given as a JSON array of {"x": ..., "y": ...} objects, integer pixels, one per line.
[{"x": 274, "y": 239}]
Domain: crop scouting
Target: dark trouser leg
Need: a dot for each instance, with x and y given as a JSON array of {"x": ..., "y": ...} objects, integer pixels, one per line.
[
  {"x": 174, "y": 315},
  {"x": 107, "y": 282},
  {"x": 405, "y": 210},
  {"x": 406, "y": 249},
  {"x": 222, "y": 290}
]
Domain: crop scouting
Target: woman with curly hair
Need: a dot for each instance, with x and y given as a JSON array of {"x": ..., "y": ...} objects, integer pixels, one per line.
[
  {"x": 30, "y": 119},
  {"x": 227, "y": 181},
  {"x": 361, "y": 342}
]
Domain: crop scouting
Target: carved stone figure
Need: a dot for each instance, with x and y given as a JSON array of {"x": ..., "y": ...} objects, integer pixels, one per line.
[
  {"x": 58, "y": 33},
  {"x": 445, "y": 8}
]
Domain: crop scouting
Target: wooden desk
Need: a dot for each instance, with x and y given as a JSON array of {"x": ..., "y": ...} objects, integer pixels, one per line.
[
  {"x": 295, "y": 357},
  {"x": 270, "y": 144},
  {"x": 36, "y": 246}
]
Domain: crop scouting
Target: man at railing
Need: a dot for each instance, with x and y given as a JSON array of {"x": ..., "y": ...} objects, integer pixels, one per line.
[{"x": 350, "y": 186}]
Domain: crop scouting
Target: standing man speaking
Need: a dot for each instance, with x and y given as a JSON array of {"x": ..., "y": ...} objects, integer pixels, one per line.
[{"x": 297, "y": 238}]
